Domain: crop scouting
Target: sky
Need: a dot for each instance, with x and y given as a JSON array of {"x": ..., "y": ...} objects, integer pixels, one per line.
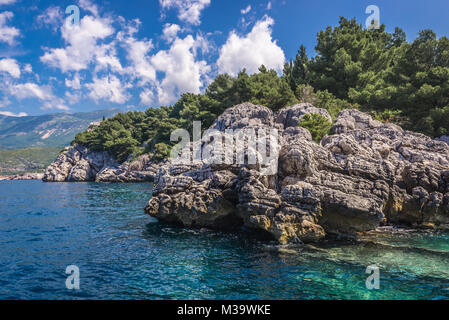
[{"x": 136, "y": 54}]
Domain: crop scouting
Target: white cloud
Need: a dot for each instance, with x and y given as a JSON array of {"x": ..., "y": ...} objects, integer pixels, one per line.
[
  {"x": 2, "y": 2},
  {"x": 10, "y": 66},
  {"x": 7, "y": 34},
  {"x": 170, "y": 32},
  {"x": 188, "y": 10},
  {"x": 72, "y": 98},
  {"x": 106, "y": 57},
  {"x": 89, "y": 6},
  {"x": 108, "y": 88},
  {"x": 28, "y": 68},
  {"x": 52, "y": 17},
  {"x": 246, "y": 10},
  {"x": 82, "y": 44},
  {"x": 138, "y": 54},
  {"x": 182, "y": 72},
  {"x": 269, "y": 5},
  {"x": 146, "y": 97},
  {"x": 31, "y": 90},
  {"x": 75, "y": 83},
  {"x": 89, "y": 59},
  {"x": 251, "y": 51},
  {"x": 10, "y": 114}
]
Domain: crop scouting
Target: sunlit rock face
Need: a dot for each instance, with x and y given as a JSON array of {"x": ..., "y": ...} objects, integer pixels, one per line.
[
  {"x": 366, "y": 174},
  {"x": 78, "y": 164}
]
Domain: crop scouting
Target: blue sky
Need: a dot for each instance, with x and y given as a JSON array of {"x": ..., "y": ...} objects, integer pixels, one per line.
[{"x": 136, "y": 54}]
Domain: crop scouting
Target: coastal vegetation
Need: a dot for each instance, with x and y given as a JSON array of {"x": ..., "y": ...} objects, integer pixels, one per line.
[{"x": 396, "y": 81}]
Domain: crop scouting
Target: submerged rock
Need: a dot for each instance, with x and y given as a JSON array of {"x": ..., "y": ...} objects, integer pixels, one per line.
[
  {"x": 365, "y": 175},
  {"x": 78, "y": 164}
]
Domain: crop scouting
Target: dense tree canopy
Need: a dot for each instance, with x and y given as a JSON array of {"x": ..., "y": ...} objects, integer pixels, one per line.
[
  {"x": 376, "y": 71},
  {"x": 381, "y": 72}
]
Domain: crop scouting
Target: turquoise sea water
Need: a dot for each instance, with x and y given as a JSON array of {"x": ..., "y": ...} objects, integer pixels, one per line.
[{"x": 124, "y": 254}]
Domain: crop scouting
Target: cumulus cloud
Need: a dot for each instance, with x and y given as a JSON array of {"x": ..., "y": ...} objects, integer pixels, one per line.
[
  {"x": 52, "y": 17},
  {"x": 138, "y": 54},
  {"x": 82, "y": 44},
  {"x": 182, "y": 72},
  {"x": 7, "y": 34},
  {"x": 170, "y": 32},
  {"x": 90, "y": 62},
  {"x": 146, "y": 97},
  {"x": 44, "y": 93},
  {"x": 188, "y": 10},
  {"x": 28, "y": 68},
  {"x": 75, "y": 83},
  {"x": 88, "y": 5},
  {"x": 251, "y": 51},
  {"x": 10, "y": 66},
  {"x": 108, "y": 88},
  {"x": 31, "y": 90}
]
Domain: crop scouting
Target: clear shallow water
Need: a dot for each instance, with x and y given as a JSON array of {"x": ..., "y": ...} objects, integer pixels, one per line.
[{"x": 124, "y": 254}]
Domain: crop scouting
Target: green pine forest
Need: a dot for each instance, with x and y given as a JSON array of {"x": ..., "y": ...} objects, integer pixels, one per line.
[{"x": 396, "y": 81}]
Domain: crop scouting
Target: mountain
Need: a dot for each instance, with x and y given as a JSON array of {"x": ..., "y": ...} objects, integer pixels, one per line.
[
  {"x": 27, "y": 160},
  {"x": 52, "y": 130}
]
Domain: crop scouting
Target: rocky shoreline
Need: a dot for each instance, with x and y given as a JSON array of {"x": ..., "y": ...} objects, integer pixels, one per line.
[
  {"x": 22, "y": 176},
  {"x": 78, "y": 164},
  {"x": 367, "y": 174}
]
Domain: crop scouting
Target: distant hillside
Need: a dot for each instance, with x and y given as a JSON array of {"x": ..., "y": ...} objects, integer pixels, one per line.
[
  {"x": 53, "y": 130},
  {"x": 27, "y": 160}
]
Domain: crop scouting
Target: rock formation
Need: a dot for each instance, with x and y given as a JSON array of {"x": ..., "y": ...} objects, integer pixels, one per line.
[
  {"x": 22, "y": 176},
  {"x": 78, "y": 164},
  {"x": 366, "y": 174}
]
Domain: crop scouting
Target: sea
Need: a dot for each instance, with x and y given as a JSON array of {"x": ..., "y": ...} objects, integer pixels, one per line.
[{"x": 94, "y": 241}]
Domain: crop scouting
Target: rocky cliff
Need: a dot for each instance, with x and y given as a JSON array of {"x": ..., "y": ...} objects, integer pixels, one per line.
[
  {"x": 78, "y": 164},
  {"x": 365, "y": 175}
]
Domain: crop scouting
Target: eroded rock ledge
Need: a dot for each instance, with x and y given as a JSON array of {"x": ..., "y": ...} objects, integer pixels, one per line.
[
  {"x": 78, "y": 164},
  {"x": 365, "y": 175}
]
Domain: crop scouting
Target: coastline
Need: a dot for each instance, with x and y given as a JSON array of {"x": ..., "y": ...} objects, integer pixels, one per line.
[
  {"x": 22, "y": 176},
  {"x": 365, "y": 174}
]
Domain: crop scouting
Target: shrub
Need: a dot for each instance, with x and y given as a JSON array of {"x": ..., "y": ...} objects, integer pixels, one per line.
[{"x": 317, "y": 124}]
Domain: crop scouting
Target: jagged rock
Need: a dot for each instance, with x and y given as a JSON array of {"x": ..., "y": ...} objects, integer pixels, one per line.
[
  {"x": 365, "y": 175},
  {"x": 290, "y": 116},
  {"x": 78, "y": 164}
]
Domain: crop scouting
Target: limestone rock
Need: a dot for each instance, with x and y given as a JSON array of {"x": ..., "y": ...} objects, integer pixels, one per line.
[
  {"x": 78, "y": 164},
  {"x": 367, "y": 174}
]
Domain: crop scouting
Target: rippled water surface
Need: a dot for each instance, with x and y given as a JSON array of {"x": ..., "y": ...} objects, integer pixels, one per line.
[{"x": 124, "y": 254}]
